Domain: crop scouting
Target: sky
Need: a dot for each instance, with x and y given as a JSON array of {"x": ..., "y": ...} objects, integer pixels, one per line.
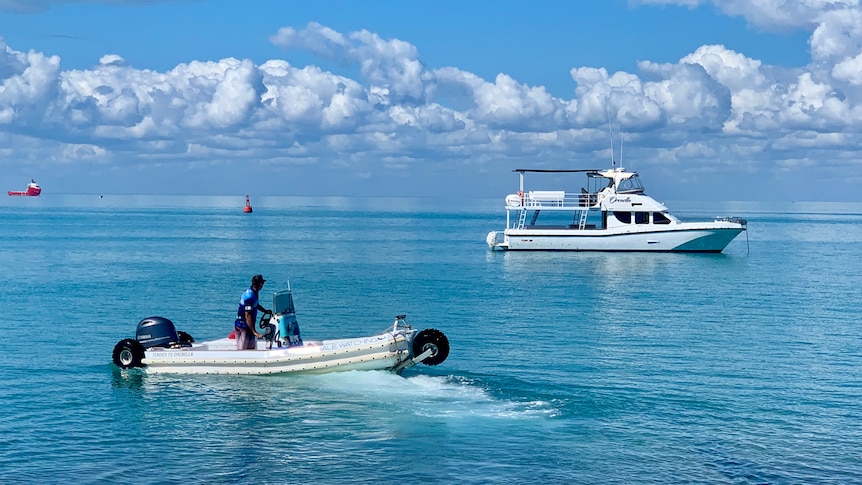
[{"x": 738, "y": 100}]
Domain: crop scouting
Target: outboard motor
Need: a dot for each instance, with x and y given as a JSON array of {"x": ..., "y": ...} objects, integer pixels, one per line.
[
  {"x": 151, "y": 332},
  {"x": 156, "y": 332}
]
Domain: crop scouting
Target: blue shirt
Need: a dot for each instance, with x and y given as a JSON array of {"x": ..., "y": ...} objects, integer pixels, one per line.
[{"x": 247, "y": 303}]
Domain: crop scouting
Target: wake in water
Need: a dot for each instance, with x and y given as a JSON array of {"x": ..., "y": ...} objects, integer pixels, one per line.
[
  {"x": 450, "y": 397},
  {"x": 428, "y": 396}
]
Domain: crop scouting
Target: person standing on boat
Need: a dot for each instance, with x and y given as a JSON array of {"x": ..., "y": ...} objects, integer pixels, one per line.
[{"x": 246, "y": 314}]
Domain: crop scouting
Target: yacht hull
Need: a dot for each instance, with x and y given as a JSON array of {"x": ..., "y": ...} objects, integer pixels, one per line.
[
  {"x": 694, "y": 240},
  {"x": 383, "y": 351}
]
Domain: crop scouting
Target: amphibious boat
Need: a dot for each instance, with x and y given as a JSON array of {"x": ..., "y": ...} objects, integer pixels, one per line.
[{"x": 159, "y": 348}]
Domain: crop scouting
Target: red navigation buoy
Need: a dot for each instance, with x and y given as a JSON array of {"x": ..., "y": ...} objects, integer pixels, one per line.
[{"x": 247, "y": 207}]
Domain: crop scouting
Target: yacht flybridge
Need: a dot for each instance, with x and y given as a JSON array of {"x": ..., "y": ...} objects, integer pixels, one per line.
[{"x": 611, "y": 214}]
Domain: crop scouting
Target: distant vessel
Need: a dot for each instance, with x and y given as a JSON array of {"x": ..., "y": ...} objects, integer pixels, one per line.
[
  {"x": 614, "y": 214},
  {"x": 33, "y": 190}
]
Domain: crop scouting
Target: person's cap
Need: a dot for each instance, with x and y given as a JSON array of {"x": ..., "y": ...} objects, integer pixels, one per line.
[{"x": 257, "y": 279}]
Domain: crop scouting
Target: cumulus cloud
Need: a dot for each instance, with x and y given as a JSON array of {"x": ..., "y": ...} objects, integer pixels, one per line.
[
  {"x": 714, "y": 104},
  {"x": 28, "y": 85},
  {"x": 775, "y": 15},
  {"x": 393, "y": 64}
]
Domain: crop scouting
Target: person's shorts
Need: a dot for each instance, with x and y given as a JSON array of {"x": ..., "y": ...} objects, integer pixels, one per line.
[{"x": 245, "y": 339}]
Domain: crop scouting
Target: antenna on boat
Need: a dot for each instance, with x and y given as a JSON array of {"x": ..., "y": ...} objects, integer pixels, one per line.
[{"x": 611, "y": 134}]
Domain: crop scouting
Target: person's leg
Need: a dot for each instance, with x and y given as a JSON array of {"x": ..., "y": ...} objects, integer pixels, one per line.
[
  {"x": 251, "y": 342},
  {"x": 241, "y": 338}
]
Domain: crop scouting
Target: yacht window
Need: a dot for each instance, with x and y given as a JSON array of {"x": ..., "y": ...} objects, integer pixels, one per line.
[
  {"x": 630, "y": 185},
  {"x": 659, "y": 218},
  {"x": 624, "y": 217},
  {"x": 641, "y": 217}
]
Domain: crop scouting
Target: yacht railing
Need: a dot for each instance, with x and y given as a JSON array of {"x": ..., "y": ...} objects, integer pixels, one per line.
[{"x": 553, "y": 200}]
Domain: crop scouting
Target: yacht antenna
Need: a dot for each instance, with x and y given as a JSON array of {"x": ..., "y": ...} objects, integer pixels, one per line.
[
  {"x": 621, "y": 149},
  {"x": 611, "y": 134}
]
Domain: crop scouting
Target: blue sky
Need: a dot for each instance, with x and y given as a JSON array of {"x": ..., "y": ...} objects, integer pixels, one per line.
[{"x": 714, "y": 100}]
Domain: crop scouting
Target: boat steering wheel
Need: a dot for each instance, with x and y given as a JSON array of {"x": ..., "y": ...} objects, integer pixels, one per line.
[
  {"x": 269, "y": 330},
  {"x": 264, "y": 319}
]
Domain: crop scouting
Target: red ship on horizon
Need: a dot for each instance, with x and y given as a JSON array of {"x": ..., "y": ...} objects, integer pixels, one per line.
[{"x": 33, "y": 190}]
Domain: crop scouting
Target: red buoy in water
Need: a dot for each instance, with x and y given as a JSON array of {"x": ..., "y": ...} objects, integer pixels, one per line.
[{"x": 247, "y": 207}]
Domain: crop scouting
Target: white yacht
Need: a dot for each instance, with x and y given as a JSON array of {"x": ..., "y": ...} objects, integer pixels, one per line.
[{"x": 611, "y": 214}]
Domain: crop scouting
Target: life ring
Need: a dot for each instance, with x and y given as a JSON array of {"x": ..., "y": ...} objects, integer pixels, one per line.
[{"x": 514, "y": 200}]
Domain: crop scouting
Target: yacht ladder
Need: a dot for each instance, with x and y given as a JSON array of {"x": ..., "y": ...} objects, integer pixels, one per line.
[
  {"x": 521, "y": 218},
  {"x": 583, "y": 222}
]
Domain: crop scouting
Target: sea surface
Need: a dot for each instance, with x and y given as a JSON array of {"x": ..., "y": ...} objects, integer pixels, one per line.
[{"x": 613, "y": 368}]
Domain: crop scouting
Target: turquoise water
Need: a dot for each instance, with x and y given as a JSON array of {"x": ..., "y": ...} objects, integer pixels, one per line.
[{"x": 743, "y": 367}]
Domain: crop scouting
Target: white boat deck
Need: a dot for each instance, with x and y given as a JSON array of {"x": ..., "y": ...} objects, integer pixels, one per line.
[
  {"x": 221, "y": 357},
  {"x": 230, "y": 344}
]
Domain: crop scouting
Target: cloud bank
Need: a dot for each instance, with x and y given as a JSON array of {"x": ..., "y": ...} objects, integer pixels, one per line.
[{"x": 714, "y": 109}]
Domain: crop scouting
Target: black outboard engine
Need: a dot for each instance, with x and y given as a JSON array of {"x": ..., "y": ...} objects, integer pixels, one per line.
[
  {"x": 151, "y": 332},
  {"x": 156, "y": 332}
]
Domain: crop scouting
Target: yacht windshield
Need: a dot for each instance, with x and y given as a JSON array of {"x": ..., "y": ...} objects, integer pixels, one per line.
[{"x": 631, "y": 185}]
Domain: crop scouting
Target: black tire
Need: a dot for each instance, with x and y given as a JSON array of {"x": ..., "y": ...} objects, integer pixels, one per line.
[
  {"x": 185, "y": 339},
  {"x": 128, "y": 353},
  {"x": 433, "y": 339}
]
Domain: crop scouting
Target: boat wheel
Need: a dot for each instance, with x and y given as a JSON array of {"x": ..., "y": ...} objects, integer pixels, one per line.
[
  {"x": 433, "y": 339},
  {"x": 128, "y": 353}
]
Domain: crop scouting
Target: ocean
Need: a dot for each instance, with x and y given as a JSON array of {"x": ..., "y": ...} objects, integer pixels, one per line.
[{"x": 741, "y": 367}]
